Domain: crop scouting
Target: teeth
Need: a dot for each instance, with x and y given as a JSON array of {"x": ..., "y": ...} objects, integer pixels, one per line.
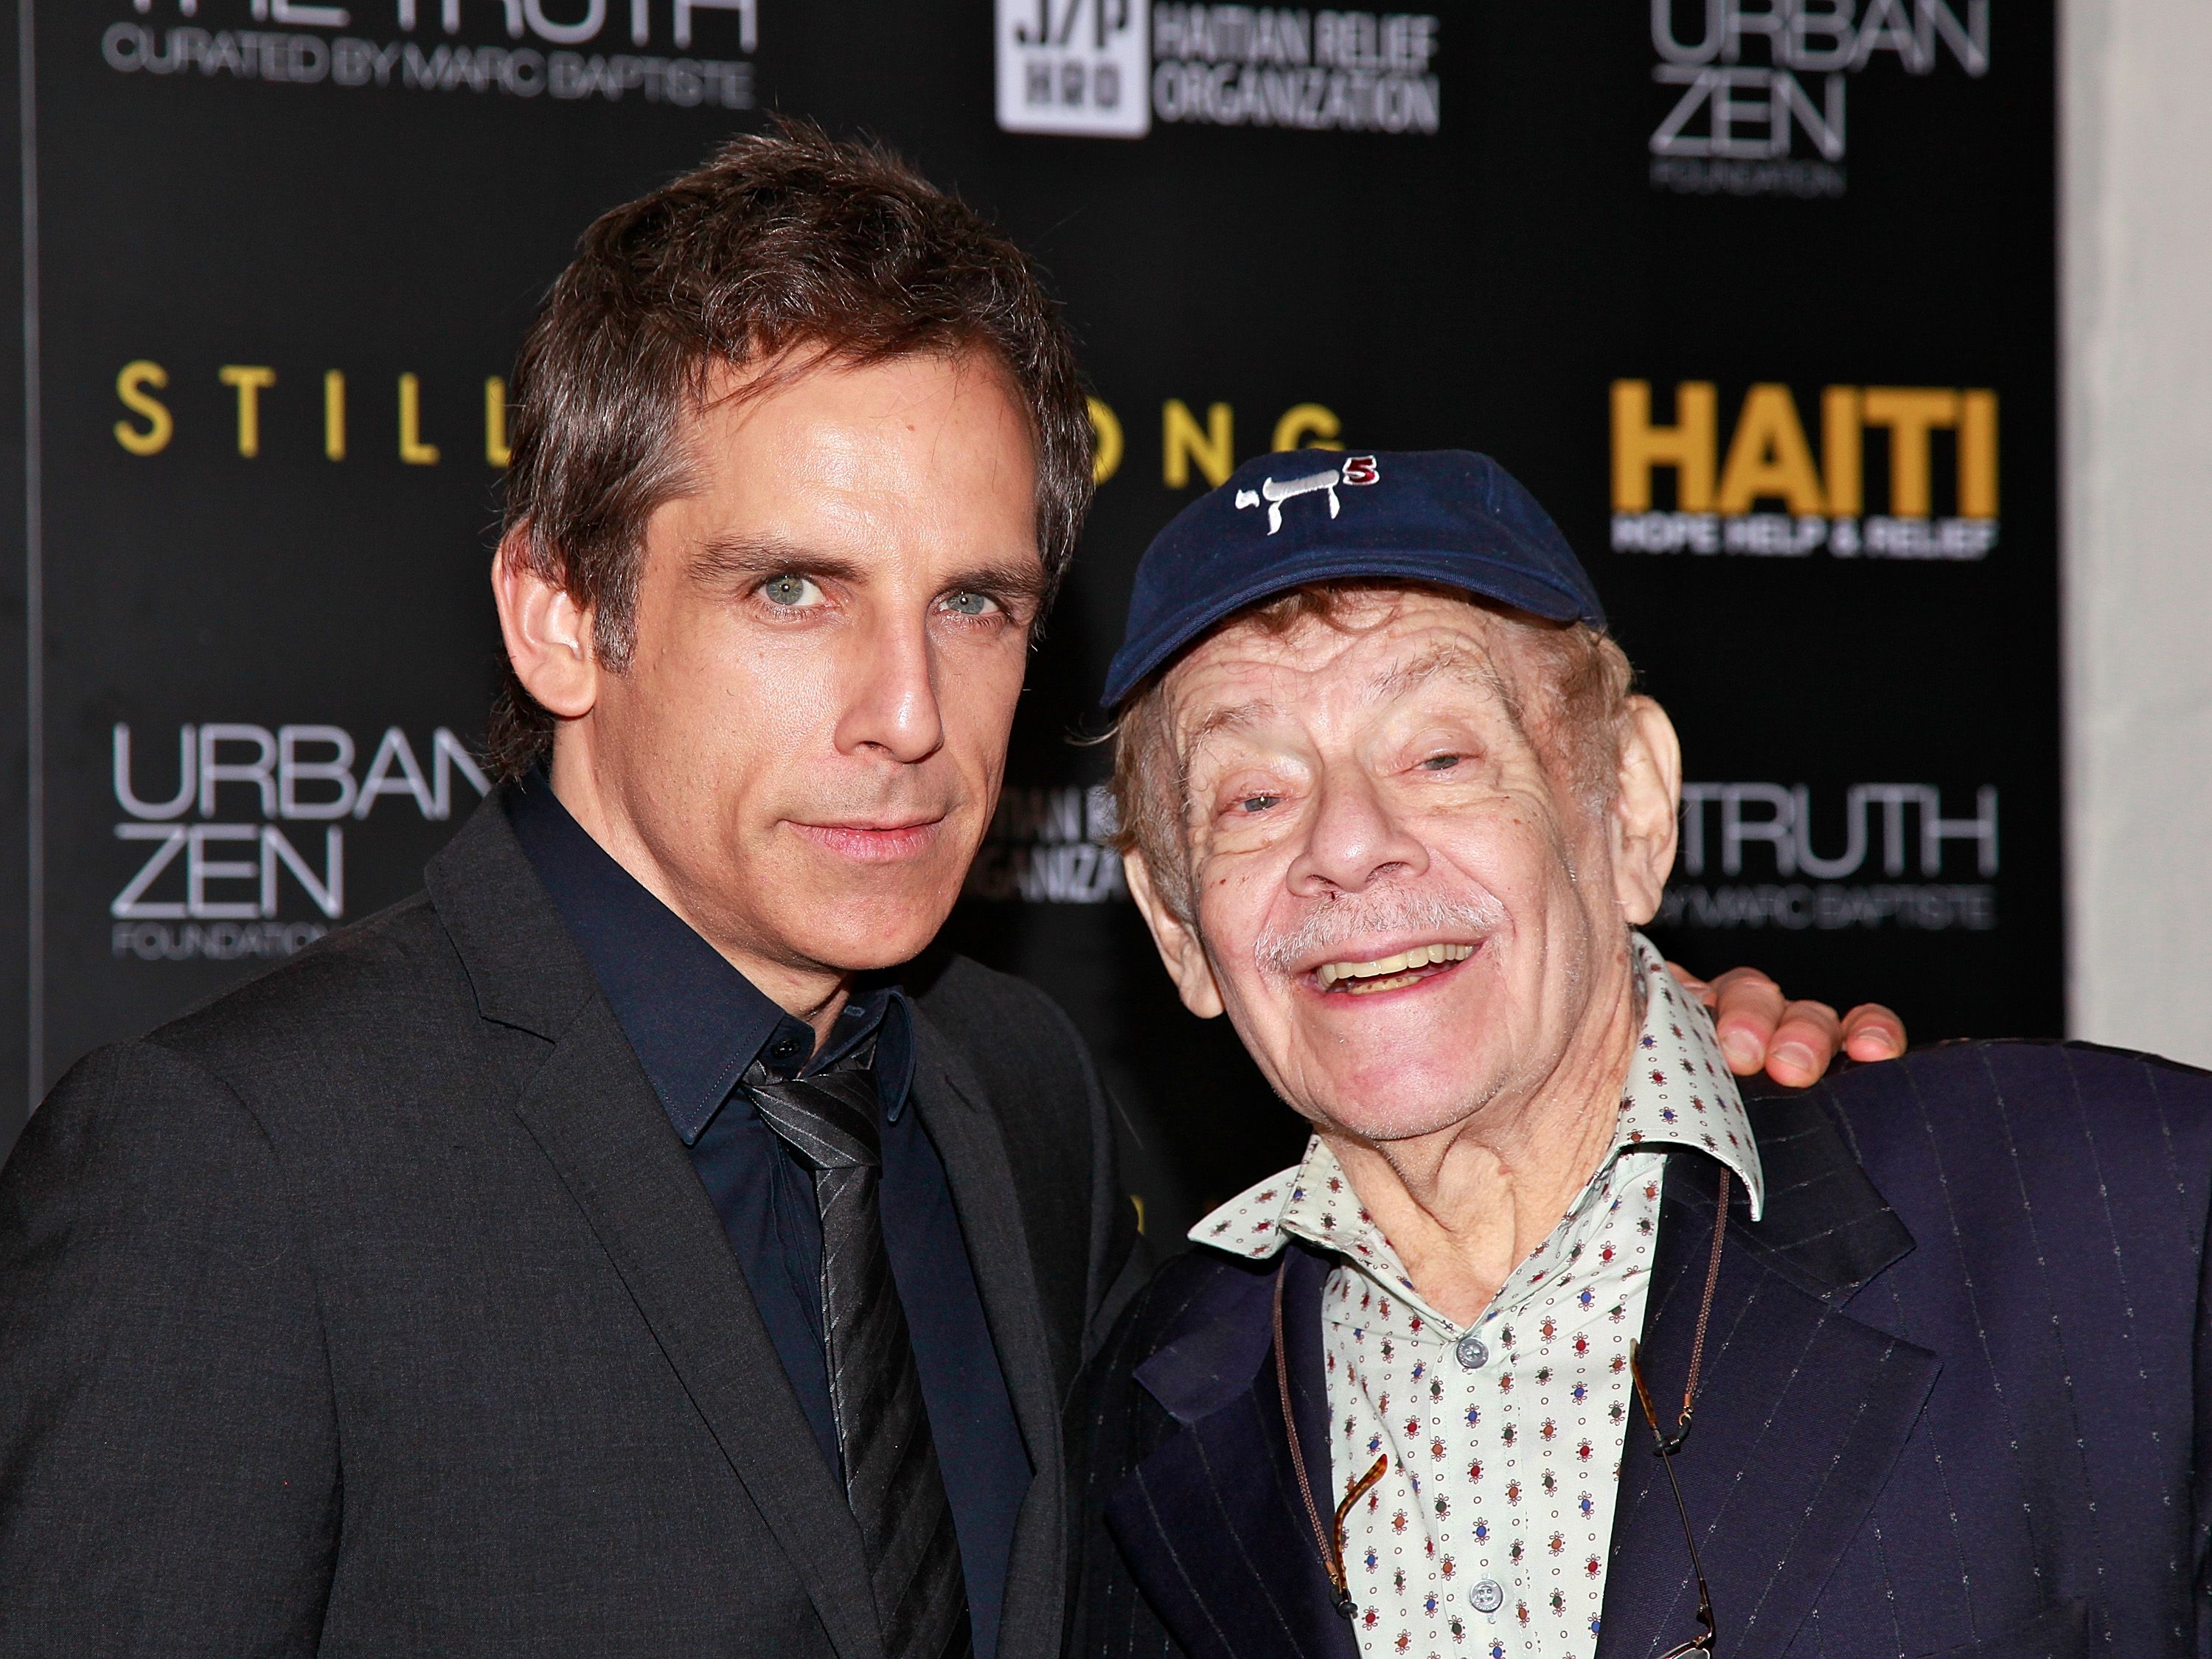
[
  {"x": 1393, "y": 968},
  {"x": 1368, "y": 988}
]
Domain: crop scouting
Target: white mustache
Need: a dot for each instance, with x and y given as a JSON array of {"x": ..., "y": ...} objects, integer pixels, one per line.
[{"x": 1364, "y": 915}]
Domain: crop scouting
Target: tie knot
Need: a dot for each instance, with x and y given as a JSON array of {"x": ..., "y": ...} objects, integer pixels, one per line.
[{"x": 828, "y": 1120}]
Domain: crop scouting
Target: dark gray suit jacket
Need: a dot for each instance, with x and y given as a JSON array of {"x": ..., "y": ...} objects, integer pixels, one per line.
[{"x": 376, "y": 1309}]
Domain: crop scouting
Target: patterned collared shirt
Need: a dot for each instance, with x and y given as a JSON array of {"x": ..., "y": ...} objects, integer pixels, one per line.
[{"x": 1488, "y": 1533}]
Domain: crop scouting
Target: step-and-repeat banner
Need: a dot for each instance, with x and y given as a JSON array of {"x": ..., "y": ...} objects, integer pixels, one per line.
[{"x": 1758, "y": 295}]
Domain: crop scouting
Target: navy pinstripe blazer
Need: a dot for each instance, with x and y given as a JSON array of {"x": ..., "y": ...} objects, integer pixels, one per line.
[{"x": 1953, "y": 1397}]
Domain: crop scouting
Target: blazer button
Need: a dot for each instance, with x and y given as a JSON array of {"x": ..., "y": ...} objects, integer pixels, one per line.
[
  {"x": 1488, "y": 1596},
  {"x": 1473, "y": 1355}
]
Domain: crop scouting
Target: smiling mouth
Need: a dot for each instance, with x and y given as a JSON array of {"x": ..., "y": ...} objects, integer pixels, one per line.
[{"x": 1390, "y": 973}]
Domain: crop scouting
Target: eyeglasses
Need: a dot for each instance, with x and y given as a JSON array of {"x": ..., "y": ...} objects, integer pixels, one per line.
[
  {"x": 1665, "y": 1446},
  {"x": 1665, "y": 1452}
]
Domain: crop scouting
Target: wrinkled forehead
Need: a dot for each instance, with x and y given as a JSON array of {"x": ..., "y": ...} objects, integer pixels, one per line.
[{"x": 1372, "y": 655}]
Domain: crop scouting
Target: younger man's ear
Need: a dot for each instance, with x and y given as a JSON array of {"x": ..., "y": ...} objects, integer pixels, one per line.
[
  {"x": 548, "y": 633},
  {"x": 1179, "y": 947},
  {"x": 1646, "y": 812}
]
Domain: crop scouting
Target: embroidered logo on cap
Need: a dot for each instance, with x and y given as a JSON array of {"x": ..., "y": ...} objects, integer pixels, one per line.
[{"x": 1358, "y": 469}]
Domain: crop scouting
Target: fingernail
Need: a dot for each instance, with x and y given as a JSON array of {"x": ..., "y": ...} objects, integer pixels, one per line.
[
  {"x": 1741, "y": 1051},
  {"x": 1795, "y": 1055}
]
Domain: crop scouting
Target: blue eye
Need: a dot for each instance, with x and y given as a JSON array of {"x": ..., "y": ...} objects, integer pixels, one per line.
[
  {"x": 791, "y": 591},
  {"x": 1258, "y": 803},
  {"x": 968, "y": 603}
]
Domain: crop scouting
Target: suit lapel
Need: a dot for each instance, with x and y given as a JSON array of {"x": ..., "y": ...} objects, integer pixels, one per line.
[
  {"x": 1211, "y": 1523},
  {"x": 591, "y": 1111},
  {"x": 596, "y": 1118},
  {"x": 954, "y": 1109},
  {"x": 1802, "y": 1411}
]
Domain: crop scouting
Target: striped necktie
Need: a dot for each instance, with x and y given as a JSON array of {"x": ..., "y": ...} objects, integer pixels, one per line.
[{"x": 892, "y": 1477}]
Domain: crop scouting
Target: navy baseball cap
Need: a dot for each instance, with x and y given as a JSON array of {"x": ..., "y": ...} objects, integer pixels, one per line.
[{"x": 1447, "y": 516}]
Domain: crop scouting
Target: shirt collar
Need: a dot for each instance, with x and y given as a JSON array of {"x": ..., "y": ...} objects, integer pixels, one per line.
[
  {"x": 1680, "y": 1092},
  {"x": 693, "y": 1021}
]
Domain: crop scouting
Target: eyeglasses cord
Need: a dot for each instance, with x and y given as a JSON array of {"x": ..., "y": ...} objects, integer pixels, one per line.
[{"x": 1329, "y": 1542}]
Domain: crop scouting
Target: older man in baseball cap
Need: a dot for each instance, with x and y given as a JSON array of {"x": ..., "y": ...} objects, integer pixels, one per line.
[{"x": 1390, "y": 803}]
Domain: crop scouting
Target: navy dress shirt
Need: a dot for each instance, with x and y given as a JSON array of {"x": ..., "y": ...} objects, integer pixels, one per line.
[{"x": 696, "y": 1024}]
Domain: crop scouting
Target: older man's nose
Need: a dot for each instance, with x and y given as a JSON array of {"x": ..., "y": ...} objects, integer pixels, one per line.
[
  {"x": 891, "y": 703},
  {"x": 1354, "y": 839}
]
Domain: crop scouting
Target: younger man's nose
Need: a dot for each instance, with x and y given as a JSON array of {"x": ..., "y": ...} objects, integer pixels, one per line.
[{"x": 889, "y": 692}]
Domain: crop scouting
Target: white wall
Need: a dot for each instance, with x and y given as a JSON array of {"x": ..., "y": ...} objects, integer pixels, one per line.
[{"x": 2135, "y": 207}]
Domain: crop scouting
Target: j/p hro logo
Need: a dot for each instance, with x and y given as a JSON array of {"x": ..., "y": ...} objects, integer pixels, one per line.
[
  {"x": 1074, "y": 66},
  {"x": 1756, "y": 96},
  {"x": 1112, "y": 68},
  {"x": 1769, "y": 494}
]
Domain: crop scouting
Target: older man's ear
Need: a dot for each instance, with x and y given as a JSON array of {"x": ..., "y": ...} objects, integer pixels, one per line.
[
  {"x": 1760, "y": 1029},
  {"x": 1646, "y": 809},
  {"x": 1180, "y": 951}
]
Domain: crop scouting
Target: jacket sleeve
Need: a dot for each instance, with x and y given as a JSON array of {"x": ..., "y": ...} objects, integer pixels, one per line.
[{"x": 169, "y": 1443}]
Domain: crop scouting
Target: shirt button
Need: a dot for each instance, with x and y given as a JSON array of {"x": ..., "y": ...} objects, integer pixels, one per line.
[
  {"x": 1488, "y": 1596},
  {"x": 1473, "y": 1355}
]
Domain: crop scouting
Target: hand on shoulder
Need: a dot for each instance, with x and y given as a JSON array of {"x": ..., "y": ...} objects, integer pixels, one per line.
[{"x": 1760, "y": 1029}]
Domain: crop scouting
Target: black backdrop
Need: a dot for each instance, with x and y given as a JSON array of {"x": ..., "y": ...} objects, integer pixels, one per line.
[{"x": 1521, "y": 228}]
